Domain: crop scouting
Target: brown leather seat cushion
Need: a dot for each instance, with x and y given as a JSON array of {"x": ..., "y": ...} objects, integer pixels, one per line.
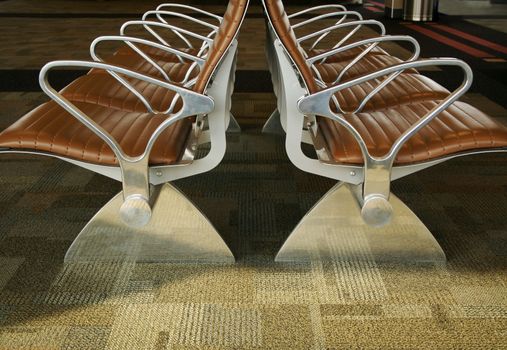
[
  {"x": 368, "y": 64},
  {"x": 154, "y": 52},
  {"x": 232, "y": 19},
  {"x": 459, "y": 128},
  {"x": 50, "y": 128},
  {"x": 175, "y": 70},
  {"x": 345, "y": 55},
  {"x": 406, "y": 88},
  {"x": 105, "y": 90}
]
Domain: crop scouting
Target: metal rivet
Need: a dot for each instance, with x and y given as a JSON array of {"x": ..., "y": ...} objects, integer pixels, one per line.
[
  {"x": 158, "y": 173},
  {"x": 352, "y": 173}
]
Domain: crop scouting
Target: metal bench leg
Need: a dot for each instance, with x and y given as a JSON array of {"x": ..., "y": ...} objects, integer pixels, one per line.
[
  {"x": 334, "y": 230},
  {"x": 177, "y": 232},
  {"x": 273, "y": 125},
  {"x": 233, "y": 125}
]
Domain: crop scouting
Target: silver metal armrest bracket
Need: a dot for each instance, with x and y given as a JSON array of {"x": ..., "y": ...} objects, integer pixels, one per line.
[
  {"x": 327, "y": 15},
  {"x": 317, "y": 8},
  {"x": 136, "y": 210},
  {"x": 188, "y": 7},
  {"x": 374, "y": 195},
  {"x": 177, "y": 30}
]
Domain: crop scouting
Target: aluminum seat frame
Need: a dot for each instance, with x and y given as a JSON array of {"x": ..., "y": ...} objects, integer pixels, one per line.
[
  {"x": 137, "y": 224},
  {"x": 159, "y": 12},
  {"x": 276, "y": 123},
  {"x": 359, "y": 218}
]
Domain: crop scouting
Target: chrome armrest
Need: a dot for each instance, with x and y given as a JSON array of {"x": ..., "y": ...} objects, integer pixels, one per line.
[
  {"x": 188, "y": 7},
  {"x": 356, "y": 24},
  {"x": 178, "y": 33},
  {"x": 317, "y": 8},
  {"x": 327, "y": 15},
  {"x": 160, "y": 13},
  {"x": 193, "y": 103},
  {"x": 372, "y": 42},
  {"x": 130, "y": 40},
  {"x": 324, "y": 16},
  {"x": 175, "y": 29},
  {"x": 135, "y": 210},
  {"x": 377, "y": 174}
]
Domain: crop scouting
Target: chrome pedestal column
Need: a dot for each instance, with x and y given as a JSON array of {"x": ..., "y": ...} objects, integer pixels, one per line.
[
  {"x": 334, "y": 230},
  {"x": 177, "y": 232}
]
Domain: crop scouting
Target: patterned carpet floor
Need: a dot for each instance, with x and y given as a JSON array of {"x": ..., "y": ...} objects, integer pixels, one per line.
[{"x": 254, "y": 198}]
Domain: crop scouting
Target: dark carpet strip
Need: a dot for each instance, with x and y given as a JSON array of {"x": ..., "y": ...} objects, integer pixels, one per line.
[
  {"x": 247, "y": 81},
  {"x": 133, "y": 15},
  {"x": 88, "y": 15}
]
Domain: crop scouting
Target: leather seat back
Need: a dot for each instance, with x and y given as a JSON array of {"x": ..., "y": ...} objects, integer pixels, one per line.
[
  {"x": 227, "y": 32},
  {"x": 279, "y": 20}
]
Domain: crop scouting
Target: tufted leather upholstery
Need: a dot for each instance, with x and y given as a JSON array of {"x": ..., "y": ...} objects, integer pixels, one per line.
[
  {"x": 329, "y": 71},
  {"x": 154, "y": 53},
  {"x": 50, "y": 128},
  {"x": 175, "y": 70},
  {"x": 406, "y": 88},
  {"x": 345, "y": 55},
  {"x": 228, "y": 29},
  {"x": 368, "y": 64},
  {"x": 280, "y": 22},
  {"x": 106, "y": 91},
  {"x": 459, "y": 128}
]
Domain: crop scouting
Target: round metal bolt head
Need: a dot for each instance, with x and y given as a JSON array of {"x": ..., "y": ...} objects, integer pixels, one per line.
[
  {"x": 135, "y": 211},
  {"x": 376, "y": 211}
]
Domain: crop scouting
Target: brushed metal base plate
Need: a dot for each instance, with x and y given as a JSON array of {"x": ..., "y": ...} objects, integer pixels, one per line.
[
  {"x": 233, "y": 125},
  {"x": 334, "y": 230},
  {"x": 273, "y": 125},
  {"x": 177, "y": 232}
]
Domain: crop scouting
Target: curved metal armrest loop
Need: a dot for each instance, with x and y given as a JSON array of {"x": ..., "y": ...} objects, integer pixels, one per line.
[
  {"x": 337, "y": 48},
  {"x": 373, "y": 197},
  {"x": 177, "y": 30},
  {"x": 317, "y": 8},
  {"x": 159, "y": 14},
  {"x": 356, "y": 24},
  {"x": 193, "y": 104},
  {"x": 130, "y": 40},
  {"x": 147, "y": 25},
  {"x": 387, "y": 80},
  {"x": 318, "y": 103},
  {"x": 188, "y": 7},
  {"x": 364, "y": 42},
  {"x": 327, "y": 15}
]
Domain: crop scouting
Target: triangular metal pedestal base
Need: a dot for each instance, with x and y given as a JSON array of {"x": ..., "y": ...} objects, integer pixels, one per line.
[
  {"x": 334, "y": 230},
  {"x": 273, "y": 125},
  {"x": 177, "y": 232},
  {"x": 233, "y": 125}
]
